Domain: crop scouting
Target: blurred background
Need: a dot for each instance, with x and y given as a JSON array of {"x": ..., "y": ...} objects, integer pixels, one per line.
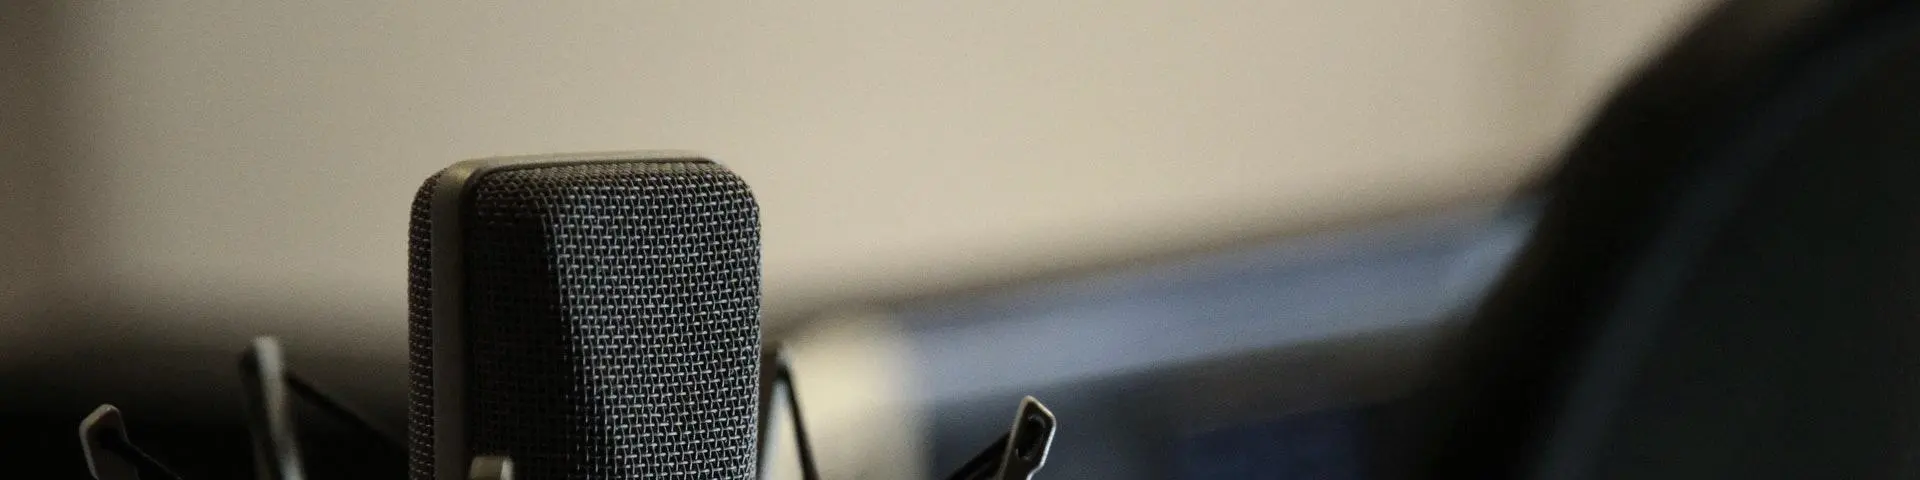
[{"x": 1196, "y": 229}]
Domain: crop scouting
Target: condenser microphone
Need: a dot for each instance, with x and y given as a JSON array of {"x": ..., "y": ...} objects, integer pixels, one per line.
[
  {"x": 584, "y": 316},
  {"x": 580, "y": 316}
]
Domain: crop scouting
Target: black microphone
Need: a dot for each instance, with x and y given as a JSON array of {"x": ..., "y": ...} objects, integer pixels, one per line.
[
  {"x": 581, "y": 316},
  {"x": 587, "y": 316}
]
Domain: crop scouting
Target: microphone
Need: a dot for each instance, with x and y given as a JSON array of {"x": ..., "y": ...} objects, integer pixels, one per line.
[
  {"x": 577, "y": 316},
  {"x": 586, "y": 316}
]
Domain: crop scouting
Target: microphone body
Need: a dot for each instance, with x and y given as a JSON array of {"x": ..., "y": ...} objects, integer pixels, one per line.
[{"x": 586, "y": 316}]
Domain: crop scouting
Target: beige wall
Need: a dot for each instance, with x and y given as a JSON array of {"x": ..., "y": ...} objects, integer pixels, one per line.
[
  {"x": 234, "y": 159},
  {"x": 27, "y": 33}
]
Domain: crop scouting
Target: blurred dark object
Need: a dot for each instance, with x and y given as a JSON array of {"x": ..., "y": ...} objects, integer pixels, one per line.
[
  {"x": 1279, "y": 361},
  {"x": 185, "y": 407},
  {"x": 1722, "y": 282},
  {"x": 1322, "y": 445}
]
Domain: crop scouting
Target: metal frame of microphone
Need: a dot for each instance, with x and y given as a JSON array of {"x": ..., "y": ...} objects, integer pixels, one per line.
[
  {"x": 269, "y": 384},
  {"x": 111, "y": 455},
  {"x": 776, "y": 380},
  {"x": 1018, "y": 453},
  {"x": 1015, "y": 455}
]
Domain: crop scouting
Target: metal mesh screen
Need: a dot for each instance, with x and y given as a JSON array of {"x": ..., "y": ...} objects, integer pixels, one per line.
[
  {"x": 420, "y": 334},
  {"x": 612, "y": 313}
]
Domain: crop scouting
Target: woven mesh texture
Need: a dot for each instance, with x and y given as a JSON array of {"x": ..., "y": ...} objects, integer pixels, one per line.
[
  {"x": 420, "y": 335},
  {"x": 613, "y": 320}
]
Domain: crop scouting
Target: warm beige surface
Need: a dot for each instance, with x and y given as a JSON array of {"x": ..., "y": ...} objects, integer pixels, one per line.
[
  {"x": 25, "y": 41},
  {"x": 253, "y": 157}
]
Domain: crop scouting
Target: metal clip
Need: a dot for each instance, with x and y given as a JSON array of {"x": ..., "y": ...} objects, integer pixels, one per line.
[{"x": 1020, "y": 452}]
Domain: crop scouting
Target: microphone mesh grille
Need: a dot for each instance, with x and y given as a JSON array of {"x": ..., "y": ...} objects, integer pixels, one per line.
[{"x": 613, "y": 321}]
